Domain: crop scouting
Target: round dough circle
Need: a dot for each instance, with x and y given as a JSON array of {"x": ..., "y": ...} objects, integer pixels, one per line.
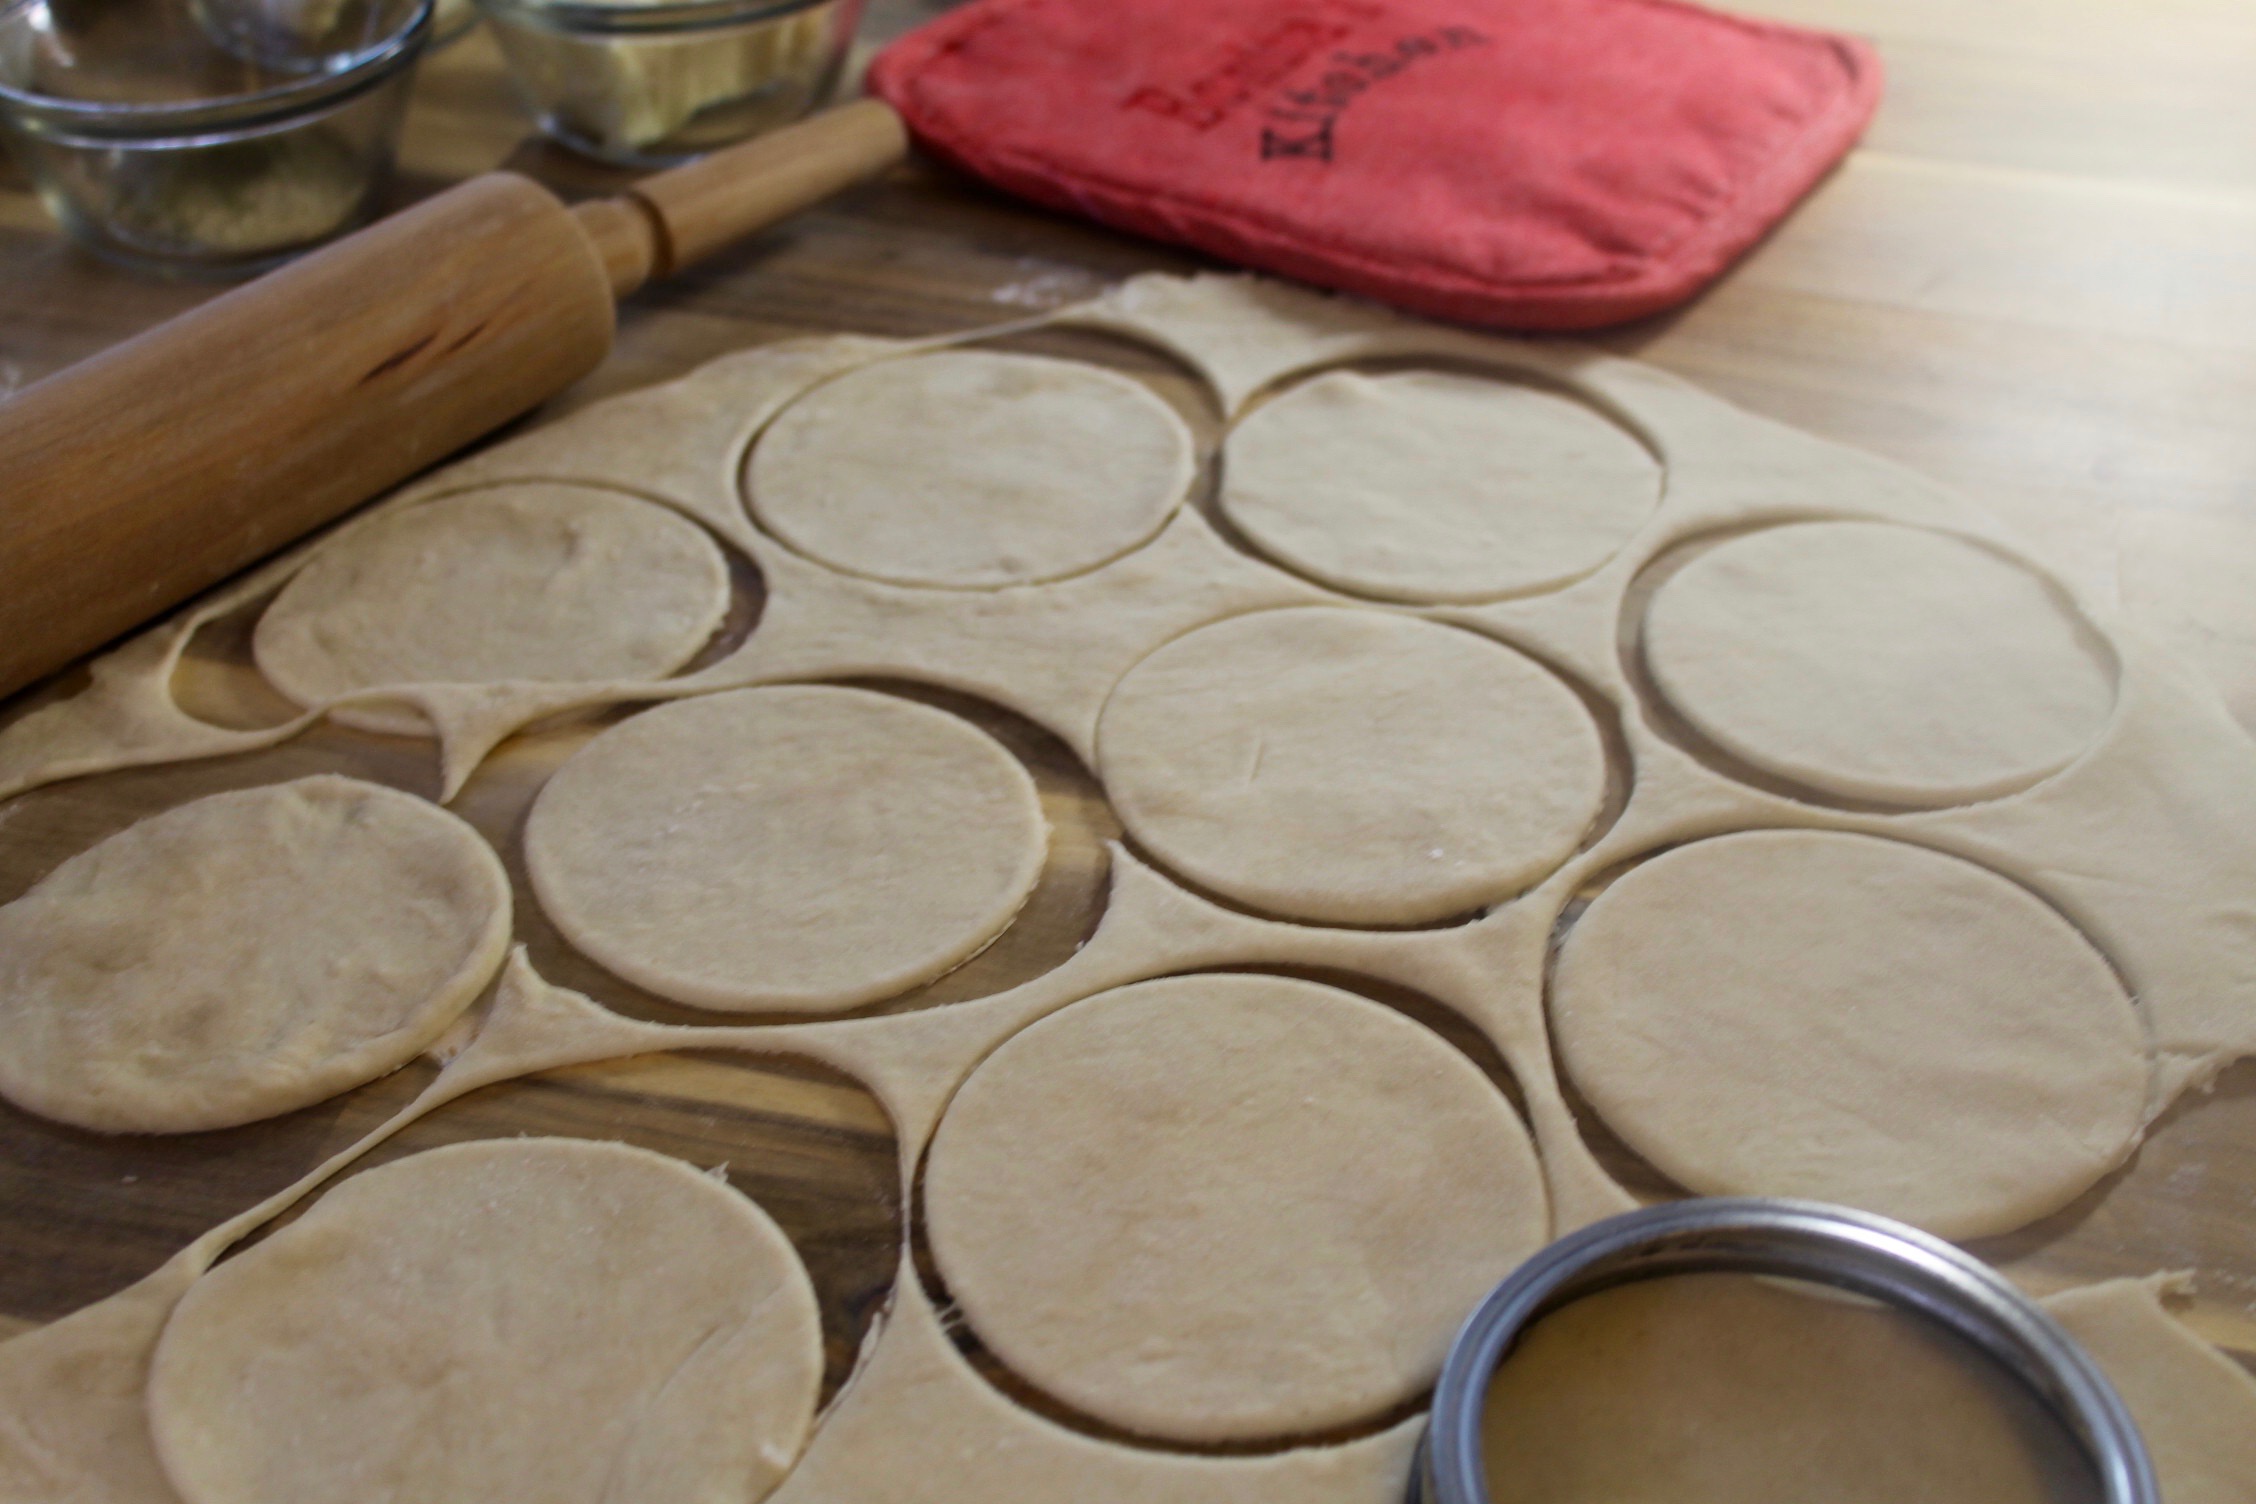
[
  {"x": 1872, "y": 661},
  {"x": 1351, "y": 766},
  {"x": 244, "y": 955},
  {"x": 533, "y": 580},
  {"x": 1425, "y": 486},
  {"x": 550, "y": 1319},
  {"x": 1805, "y": 1013},
  {"x": 1221, "y": 1207},
  {"x": 971, "y": 470},
  {"x": 802, "y": 848}
]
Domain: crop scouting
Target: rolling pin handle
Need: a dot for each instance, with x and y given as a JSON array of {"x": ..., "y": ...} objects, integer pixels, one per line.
[
  {"x": 674, "y": 218},
  {"x": 625, "y": 240}
]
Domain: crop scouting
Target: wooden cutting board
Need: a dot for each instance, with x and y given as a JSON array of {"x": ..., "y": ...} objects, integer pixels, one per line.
[{"x": 1939, "y": 301}]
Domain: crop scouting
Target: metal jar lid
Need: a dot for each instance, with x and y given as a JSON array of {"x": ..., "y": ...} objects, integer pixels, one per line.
[{"x": 1872, "y": 1256}]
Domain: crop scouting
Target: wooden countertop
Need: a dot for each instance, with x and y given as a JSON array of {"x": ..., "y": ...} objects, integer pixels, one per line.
[{"x": 2036, "y": 281}]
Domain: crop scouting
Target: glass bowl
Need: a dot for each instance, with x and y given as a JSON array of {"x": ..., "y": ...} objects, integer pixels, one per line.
[
  {"x": 653, "y": 84},
  {"x": 206, "y": 137}
]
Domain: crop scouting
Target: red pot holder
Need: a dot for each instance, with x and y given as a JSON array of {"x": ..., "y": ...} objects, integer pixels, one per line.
[{"x": 1542, "y": 164}]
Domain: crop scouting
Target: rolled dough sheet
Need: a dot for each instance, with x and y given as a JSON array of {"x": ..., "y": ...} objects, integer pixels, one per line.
[
  {"x": 1850, "y": 1019},
  {"x": 2138, "y": 839},
  {"x": 798, "y": 848},
  {"x": 1351, "y": 766},
  {"x": 549, "y": 1320},
  {"x": 1217, "y": 1207},
  {"x": 1427, "y": 486},
  {"x": 1876, "y": 662},
  {"x": 1726, "y": 1389},
  {"x": 527, "y": 581},
  {"x": 243, "y": 955},
  {"x": 2195, "y": 1406},
  {"x": 971, "y": 469}
]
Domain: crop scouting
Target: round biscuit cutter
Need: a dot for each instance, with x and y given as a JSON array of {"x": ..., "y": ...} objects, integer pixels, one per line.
[{"x": 1871, "y": 1256}]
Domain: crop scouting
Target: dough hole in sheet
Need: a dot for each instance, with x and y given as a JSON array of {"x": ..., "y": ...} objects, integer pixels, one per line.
[
  {"x": 1872, "y": 661},
  {"x": 243, "y": 955},
  {"x": 1851, "y": 1019},
  {"x": 1351, "y": 766},
  {"x": 538, "y": 1319},
  {"x": 534, "y": 580},
  {"x": 1224, "y": 1207},
  {"x": 1429, "y": 486},
  {"x": 971, "y": 469},
  {"x": 802, "y": 848},
  {"x": 1729, "y": 1389}
]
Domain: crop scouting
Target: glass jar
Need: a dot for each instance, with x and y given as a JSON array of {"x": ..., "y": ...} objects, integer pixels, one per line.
[
  {"x": 163, "y": 135},
  {"x": 650, "y": 85}
]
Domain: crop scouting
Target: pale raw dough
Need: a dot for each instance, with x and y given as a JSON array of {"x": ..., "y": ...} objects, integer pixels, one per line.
[
  {"x": 1870, "y": 661},
  {"x": 544, "y": 1320},
  {"x": 243, "y": 955},
  {"x": 800, "y": 848},
  {"x": 1426, "y": 486},
  {"x": 2148, "y": 840},
  {"x": 531, "y": 581},
  {"x": 1726, "y": 1389},
  {"x": 1351, "y": 766},
  {"x": 1219, "y": 1207},
  {"x": 1806, "y": 1013},
  {"x": 971, "y": 470},
  {"x": 2195, "y": 1406}
]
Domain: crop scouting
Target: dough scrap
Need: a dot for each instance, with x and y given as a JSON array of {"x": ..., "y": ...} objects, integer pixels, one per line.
[
  {"x": 1351, "y": 766},
  {"x": 971, "y": 469},
  {"x": 223, "y": 961},
  {"x": 1877, "y": 662},
  {"x": 532, "y": 580},
  {"x": 515, "y": 1319},
  {"x": 802, "y": 848},
  {"x": 1727, "y": 1389},
  {"x": 1850, "y": 1019},
  {"x": 2195, "y": 1406},
  {"x": 1428, "y": 487},
  {"x": 1227, "y": 1206}
]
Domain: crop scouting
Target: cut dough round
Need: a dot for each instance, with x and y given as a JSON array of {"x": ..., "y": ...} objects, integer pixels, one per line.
[
  {"x": 1805, "y": 1013},
  {"x": 1222, "y": 1207},
  {"x": 803, "y": 848},
  {"x": 1871, "y": 661},
  {"x": 1351, "y": 766},
  {"x": 245, "y": 955},
  {"x": 532, "y": 580},
  {"x": 1426, "y": 486},
  {"x": 516, "y": 1319},
  {"x": 971, "y": 470}
]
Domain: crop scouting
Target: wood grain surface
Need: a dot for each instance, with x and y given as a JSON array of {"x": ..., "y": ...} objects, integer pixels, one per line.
[{"x": 2036, "y": 281}]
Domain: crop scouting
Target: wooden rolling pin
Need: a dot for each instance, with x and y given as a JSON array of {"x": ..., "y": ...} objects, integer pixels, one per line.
[{"x": 133, "y": 480}]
